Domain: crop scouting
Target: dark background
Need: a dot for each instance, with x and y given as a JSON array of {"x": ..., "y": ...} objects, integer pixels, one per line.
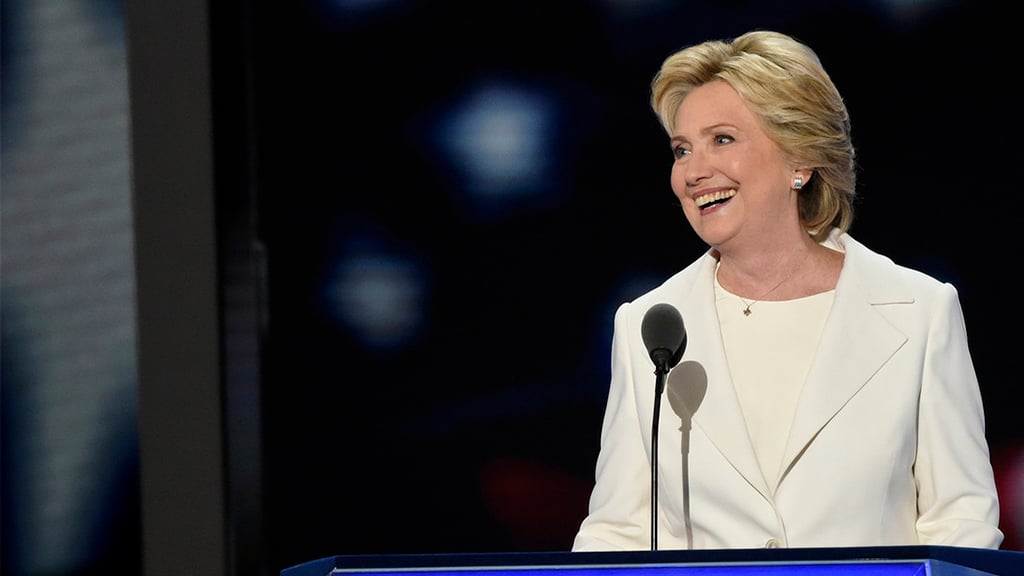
[
  {"x": 378, "y": 246},
  {"x": 479, "y": 430}
]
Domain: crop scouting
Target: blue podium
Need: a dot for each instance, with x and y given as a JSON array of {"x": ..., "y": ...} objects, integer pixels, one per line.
[{"x": 872, "y": 561}]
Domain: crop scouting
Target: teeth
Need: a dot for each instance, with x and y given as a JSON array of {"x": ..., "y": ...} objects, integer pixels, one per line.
[{"x": 706, "y": 199}]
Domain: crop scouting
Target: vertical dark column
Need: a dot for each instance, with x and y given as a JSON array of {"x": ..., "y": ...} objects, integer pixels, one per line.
[{"x": 180, "y": 397}]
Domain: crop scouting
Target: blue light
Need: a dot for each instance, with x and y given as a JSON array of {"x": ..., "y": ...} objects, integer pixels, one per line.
[
  {"x": 498, "y": 142},
  {"x": 377, "y": 295}
]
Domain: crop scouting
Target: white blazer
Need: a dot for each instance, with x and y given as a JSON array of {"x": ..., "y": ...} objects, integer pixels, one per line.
[{"x": 887, "y": 445}]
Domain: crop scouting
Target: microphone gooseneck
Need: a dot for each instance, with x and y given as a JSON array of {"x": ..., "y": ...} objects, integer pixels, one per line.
[{"x": 664, "y": 336}]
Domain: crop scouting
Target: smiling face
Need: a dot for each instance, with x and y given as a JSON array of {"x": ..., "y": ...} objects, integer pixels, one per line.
[{"x": 733, "y": 181}]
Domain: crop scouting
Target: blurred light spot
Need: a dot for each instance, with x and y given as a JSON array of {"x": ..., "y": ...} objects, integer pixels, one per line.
[
  {"x": 499, "y": 142},
  {"x": 1008, "y": 464},
  {"x": 537, "y": 504},
  {"x": 360, "y": 6},
  {"x": 909, "y": 10},
  {"x": 637, "y": 8},
  {"x": 378, "y": 298}
]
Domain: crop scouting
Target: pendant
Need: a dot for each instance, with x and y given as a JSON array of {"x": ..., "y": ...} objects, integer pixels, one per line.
[{"x": 746, "y": 311}]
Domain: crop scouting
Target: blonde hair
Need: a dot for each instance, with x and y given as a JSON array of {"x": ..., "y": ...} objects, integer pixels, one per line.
[{"x": 784, "y": 84}]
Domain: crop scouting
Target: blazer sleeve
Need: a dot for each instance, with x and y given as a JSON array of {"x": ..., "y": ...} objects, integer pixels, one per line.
[
  {"x": 957, "y": 502},
  {"x": 618, "y": 517}
]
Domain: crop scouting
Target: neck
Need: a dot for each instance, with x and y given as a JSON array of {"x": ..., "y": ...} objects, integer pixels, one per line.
[{"x": 767, "y": 272}]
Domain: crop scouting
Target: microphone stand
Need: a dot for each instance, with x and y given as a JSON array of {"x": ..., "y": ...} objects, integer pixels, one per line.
[
  {"x": 659, "y": 387},
  {"x": 665, "y": 338}
]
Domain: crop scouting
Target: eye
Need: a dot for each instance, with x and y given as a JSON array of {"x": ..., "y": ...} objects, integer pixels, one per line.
[
  {"x": 723, "y": 139},
  {"x": 678, "y": 152}
]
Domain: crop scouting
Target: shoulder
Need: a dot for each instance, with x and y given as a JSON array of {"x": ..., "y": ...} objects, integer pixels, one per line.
[
  {"x": 690, "y": 291},
  {"x": 680, "y": 285},
  {"x": 884, "y": 280}
]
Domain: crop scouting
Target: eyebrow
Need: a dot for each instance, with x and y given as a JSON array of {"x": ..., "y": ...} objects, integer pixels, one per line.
[{"x": 709, "y": 130}]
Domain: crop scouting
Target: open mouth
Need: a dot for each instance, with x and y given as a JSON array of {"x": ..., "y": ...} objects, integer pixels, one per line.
[{"x": 714, "y": 198}]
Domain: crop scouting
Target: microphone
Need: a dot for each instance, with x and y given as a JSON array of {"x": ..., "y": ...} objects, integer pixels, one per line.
[{"x": 664, "y": 336}]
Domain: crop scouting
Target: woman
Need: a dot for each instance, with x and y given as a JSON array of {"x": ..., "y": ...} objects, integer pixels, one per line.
[{"x": 826, "y": 396}]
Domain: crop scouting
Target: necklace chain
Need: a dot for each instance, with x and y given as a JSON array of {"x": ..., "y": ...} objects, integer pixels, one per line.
[{"x": 747, "y": 312}]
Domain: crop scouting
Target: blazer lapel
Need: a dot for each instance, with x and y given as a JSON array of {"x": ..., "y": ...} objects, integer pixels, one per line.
[
  {"x": 719, "y": 415},
  {"x": 855, "y": 343}
]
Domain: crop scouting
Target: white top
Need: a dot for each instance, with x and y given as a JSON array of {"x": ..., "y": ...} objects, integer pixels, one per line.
[{"x": 769, "y": 353}]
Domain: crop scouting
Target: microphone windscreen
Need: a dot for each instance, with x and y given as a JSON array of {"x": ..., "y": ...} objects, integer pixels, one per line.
[{"x": 662, "y": 329}]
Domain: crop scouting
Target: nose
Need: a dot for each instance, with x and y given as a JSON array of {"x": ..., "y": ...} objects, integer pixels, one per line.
[{"x": 696, "y": 168}]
